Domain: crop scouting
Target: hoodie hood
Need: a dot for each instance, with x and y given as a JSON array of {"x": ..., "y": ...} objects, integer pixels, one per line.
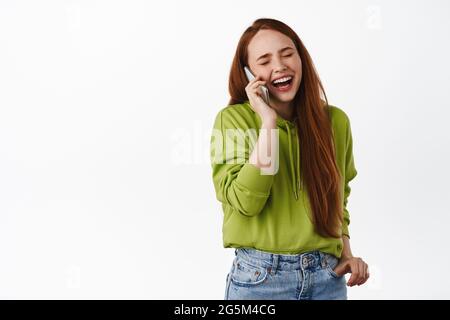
[{"x": 293, "y": 149}]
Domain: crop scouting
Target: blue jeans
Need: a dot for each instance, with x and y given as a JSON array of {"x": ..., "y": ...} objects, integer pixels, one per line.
[{"x": 262, "y": 275}]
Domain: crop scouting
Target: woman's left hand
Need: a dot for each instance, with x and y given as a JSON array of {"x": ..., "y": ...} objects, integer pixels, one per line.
[{"x": 354, "y": 265}]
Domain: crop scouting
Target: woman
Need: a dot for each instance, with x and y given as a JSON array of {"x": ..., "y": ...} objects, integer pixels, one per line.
[{"x": 284, "y": 184}]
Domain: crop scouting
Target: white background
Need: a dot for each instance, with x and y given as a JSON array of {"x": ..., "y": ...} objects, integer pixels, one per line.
[{"x": 106, "y": 110}]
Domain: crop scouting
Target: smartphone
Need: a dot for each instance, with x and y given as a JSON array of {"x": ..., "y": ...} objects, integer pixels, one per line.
[{"x": 265, "y": 91}]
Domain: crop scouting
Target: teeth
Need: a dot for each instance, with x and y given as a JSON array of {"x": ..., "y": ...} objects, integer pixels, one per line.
[{"x": 282, "y": 79}]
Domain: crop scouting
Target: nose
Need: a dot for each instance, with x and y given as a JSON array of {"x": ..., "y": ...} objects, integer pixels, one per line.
[{"x": 279, "y": 68}]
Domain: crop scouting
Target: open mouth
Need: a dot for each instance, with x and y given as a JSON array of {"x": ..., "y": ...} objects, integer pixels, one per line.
[{"x": 283, "y": 84}]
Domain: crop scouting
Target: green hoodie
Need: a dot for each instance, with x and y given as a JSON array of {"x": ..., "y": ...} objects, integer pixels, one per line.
[{"x": 272, "y": 212}]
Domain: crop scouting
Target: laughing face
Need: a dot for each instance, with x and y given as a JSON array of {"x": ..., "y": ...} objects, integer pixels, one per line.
[{"x": 274, "y": 57}]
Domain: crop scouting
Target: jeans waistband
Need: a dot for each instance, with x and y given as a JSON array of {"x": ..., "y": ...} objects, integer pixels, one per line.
[{"x": 306, "y": 260}]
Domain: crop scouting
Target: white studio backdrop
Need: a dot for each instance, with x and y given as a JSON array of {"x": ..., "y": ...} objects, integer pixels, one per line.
[{"x": 106, "y": 110}]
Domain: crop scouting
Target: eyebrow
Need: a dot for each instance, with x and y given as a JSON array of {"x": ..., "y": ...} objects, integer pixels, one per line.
[{"x": 269, "y": 54}]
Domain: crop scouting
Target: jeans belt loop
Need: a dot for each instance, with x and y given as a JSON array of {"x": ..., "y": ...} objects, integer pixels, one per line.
[{"x": 274, "y": 266}]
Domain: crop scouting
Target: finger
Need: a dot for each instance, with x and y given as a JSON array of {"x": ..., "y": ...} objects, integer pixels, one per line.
[
  {"x": 255, "y": 86},
  {"x": 361, "y": 271},
  {"x": 258, "y": 83},
  {"x": 367, "y": 273},
  {"x": 253, "y": 91},
  {"x": 362, "y": 278},
  {"x": 338, "y": 269},
  {"x": 356, "y": 273},
  {"x": 354, "y": 270},
  {"x": 256, "y": 90},
  {"x": 341, "y": 268}
]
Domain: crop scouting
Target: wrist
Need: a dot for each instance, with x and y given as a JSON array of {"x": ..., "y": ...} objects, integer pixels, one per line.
[
  {"x": 269, "y": 122},
  {"x": 346, "y": 255}
]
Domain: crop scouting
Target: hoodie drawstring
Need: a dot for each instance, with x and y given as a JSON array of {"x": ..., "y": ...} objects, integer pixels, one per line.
[{"x": 295, "y": 174}]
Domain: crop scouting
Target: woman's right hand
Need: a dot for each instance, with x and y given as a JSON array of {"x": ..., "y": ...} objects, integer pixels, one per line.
[{"x": 257, "y": 103}]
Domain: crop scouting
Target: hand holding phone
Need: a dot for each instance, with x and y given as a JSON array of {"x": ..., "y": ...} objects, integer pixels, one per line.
[
  {"x": 260, "y": 106},
  {"x": 265, "y": 91}
]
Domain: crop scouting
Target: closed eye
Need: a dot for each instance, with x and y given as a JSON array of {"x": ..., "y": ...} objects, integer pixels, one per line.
[{"x": 283, "y": 56}]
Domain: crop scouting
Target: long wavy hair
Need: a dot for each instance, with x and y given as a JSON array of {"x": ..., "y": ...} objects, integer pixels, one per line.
[{"x": 320, "y": 173}]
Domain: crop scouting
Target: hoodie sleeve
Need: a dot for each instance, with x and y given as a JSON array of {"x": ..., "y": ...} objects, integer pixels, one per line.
[
  {"x": 350, "y": 173},
  {"x": 237, "y": 182}
]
